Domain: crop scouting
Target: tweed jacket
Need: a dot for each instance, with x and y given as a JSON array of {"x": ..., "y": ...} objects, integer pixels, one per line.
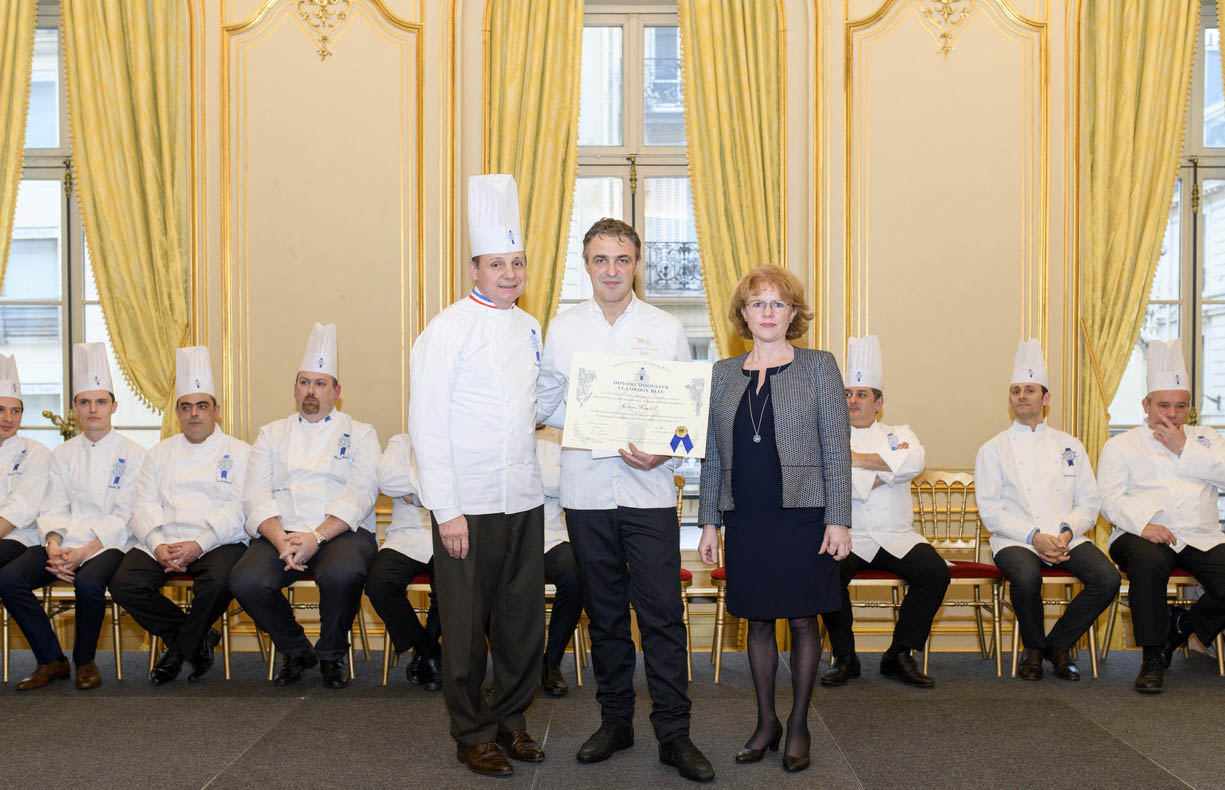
[{"x": 811, "y": 427}]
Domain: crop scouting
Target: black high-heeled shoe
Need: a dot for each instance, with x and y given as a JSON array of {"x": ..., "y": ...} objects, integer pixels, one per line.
[
  {"x": 793, "y": 765},
  {"x": 747, "y": 755}
]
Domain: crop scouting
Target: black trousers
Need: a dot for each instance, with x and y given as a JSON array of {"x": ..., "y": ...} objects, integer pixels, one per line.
[
  {"x": 137, "y": 587},
  {"x": 339, "y": 568},
  {"x": 390, "y": 574},
  {"x": 1023, "y": 570},
  {"x": 1148, "y": 567},
  {"x": 561, "y": 571},
  {"x": 928, "y": 577},
  {"x": 27, "y": 573},
  {"x": 632, "y": 555},
  {"x": 496, "y": 593},
  {"x": 10, "y": 550}
]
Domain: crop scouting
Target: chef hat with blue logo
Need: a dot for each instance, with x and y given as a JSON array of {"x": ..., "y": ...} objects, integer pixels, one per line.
[
  {"x": 863, "y": 363},
  {"x": 320, "y": 356},
  {"x": 193, "y": 372},
  {"x": 10, "y": 382},
  {"x": 1166, "y": 368},
  {"x": 493, "y": 215},
  {"x": 91, "y": 370},
  {"x": 1029, "y": 365}
]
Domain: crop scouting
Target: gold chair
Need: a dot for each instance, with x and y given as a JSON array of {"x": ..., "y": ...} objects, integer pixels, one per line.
[
  {"x": 1051, "y": 577},
  {"x": 309, "y": 582},
  {"x": 58, "y": 598},
  {"x": 686, "y": 579},
  {"x": 182, "y": 584},
  {"x": 4, "y": 627},
  {"x": 1176, "y": 593}
]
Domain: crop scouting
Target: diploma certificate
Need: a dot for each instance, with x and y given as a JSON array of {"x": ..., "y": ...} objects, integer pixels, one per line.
[{"x": 659, "y": 405}]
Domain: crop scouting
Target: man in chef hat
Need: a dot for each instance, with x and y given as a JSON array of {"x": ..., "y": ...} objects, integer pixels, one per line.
[
  {"x": 1159, "y": 484},
  {"x": 188, "y": 518},
  {"x": 472, "y": 419},
  {"x": 309, "y": 502},
  {"x": 884, "y": 459},
  {"x": 1037, "y": 496},
  {"x": 83, "y": 523}
]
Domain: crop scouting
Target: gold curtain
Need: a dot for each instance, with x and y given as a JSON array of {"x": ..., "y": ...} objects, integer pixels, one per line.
[
  {"x": 17, "y": 21},
  {"x": 128, "y": 101},
  {"x": 732, "y": 71},
  {"x": 533, "y": 55}
]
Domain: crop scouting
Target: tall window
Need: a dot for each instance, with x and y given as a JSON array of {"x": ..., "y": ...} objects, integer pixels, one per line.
[
  {"x": 1188, "y": 296},
  {"x": 633, "y": 164},
  {"x": 49, "y": 300}
]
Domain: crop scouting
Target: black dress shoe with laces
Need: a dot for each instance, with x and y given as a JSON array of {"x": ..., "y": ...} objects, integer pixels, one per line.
[
  {"x": 552, "y": 682},
  {"x": 901, "y": 666},
  {"x": 687, "y": 759},
  {"x": 1065, "y": 668},
  {"x": 333, "y": 672},
  {"x": 167, "y": 667},
  {"x": 292, "y": 668},
  {"x": 1030, "y": 667},
  {"x": 1177, "y": 634},
  {"x": 845, "y": 668},
  {"x": 433, "y": 675},
  {"x": 1151, "y": 679},
  {"x": 416, "y": 670},
  {"x": 204, "y": 659},
  {"x": 604, "y": 741}
]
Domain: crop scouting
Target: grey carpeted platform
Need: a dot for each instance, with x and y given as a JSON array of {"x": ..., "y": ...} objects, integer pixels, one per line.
[{"x": 972, "y": 731}]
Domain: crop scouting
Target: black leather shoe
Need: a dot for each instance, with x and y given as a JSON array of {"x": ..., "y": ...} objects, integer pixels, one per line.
[
  {"x": 416, "y": 670},
  {"x": 901, "y": 666},
  {"x": 167, "y": 667},
  {"x": 687, "y": 759},
  {"x": 333, "y": 672},
  {"x": 750, "y": 755},
  {"x": 552, "y": 682},
  {"x": 1151, "y": 679},
  {"x": 845, "y": 668},
  {"x": 1030, "y": 667},
  {"x": 1065, "y": 668},
  {"x": 604, "y": 741},
  {"x": 793, "y": 765},
  {"x": 433, "y": 675},
  {"x": 292, "y": 667},
  {"x": 1176, "y": 635},
  {"x": 204, "y": 659}
]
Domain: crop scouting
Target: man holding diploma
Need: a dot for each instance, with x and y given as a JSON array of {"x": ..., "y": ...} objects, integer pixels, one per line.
[{"x": 621, "y": 513}]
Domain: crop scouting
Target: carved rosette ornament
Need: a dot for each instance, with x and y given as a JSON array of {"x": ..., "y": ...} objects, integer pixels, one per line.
[
  {"x": 323, "y": 19},
  {"x": 944, "y": 18}
]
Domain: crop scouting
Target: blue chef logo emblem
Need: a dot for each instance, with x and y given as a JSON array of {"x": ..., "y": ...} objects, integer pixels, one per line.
[
  {"x": 536, "y": 345},
  {"x": 858, "y": 376},
  {"x": 1177, "y": 379},
  {"x": 1204, "y": 441},
  {"x": 16, "y": 470},
  {"x": 224, "y": 467},
  {"x": 510, "y": 236},
  {"x": 893, "y": 442},
  {"x": 1030, "y": 372},
  {"x": 320, "y": 363},
  {"x": 197, "y": 383},
  {"x": 343, "y": 445},
  {"x": 1069, "y": 456},
  {"x": 117, "y": 471}
]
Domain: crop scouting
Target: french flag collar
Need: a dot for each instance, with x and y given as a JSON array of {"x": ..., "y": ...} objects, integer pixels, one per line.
[{"x": 482, "y": 299}]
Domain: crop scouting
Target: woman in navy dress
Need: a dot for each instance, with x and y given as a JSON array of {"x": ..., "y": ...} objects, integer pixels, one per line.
[{"x": 779, "y": 439}]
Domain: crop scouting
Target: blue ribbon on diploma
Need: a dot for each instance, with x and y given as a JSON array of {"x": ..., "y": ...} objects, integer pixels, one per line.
[{"x": 681, "y": 437}]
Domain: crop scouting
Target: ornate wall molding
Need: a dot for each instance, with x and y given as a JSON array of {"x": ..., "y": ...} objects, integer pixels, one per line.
[
  {"x": 944, "y": 18},
  {"x": 323, "y": 20}
]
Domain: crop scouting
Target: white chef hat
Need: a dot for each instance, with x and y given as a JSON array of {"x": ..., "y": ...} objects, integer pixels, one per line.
[
  {"x": 1166, "y": 368},
  {"x": 863, "y": 363},
  {"x": 10, "y": 383},
  {"x": 320, "y": 356},
  {"x": 1029, "y": 365},
  {"x": 91, "y": 370},
  {"x": 493, "y": 215},
  {"x": 193, "y": 372}
]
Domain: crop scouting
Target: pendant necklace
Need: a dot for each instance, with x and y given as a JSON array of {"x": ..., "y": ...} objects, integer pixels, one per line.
[{"x": 756, "y": 421}]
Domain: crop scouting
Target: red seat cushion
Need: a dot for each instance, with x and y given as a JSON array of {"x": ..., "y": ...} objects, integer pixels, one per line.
[
  {"x": 719, "y": 574},
  {"x": 181, "y": 577},
  {"x": 424, "y": 578},
  {"x": 1058, "y": 573},
  {"x": 974, "y": 570},
  {"x": 686, "y": 575},
  {"x": 875, "y": 574}
]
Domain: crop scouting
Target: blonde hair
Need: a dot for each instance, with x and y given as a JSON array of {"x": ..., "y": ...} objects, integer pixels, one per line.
[{"x": 790, "y": 290}]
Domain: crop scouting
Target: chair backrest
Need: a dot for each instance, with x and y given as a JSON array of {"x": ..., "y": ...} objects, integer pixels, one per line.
[{"x": 946, "y": 514}]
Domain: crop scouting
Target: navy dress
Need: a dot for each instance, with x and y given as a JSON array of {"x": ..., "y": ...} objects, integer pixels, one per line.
[{"x": 773, "y": 566}]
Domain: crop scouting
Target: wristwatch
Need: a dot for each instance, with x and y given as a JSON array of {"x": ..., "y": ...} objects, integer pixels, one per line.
[{"x": 319, "y": 539}]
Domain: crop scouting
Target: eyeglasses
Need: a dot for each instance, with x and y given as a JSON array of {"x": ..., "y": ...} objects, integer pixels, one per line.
[{"x": 776, "y": 306}]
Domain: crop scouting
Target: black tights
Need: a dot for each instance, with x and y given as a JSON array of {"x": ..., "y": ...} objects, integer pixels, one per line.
[{"x": 763, "y": 662}]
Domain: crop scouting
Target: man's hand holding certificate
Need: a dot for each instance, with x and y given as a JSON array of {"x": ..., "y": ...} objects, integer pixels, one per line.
[{"x": 660, "y": 406}]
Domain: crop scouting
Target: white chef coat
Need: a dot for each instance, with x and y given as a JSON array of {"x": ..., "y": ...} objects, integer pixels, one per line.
[
  {"x": 25, "y": 470},
  {"x": 883, "y": 517},
  {"x": 643, "y": 330},
  {"x": 1142, "y": 482},
  {"x": 472, "y": 411},
  {"x": 192, "y": 492},
  {"x": 548, "y": 453},
  {"x": 302, "y": 472},
  {"x": 410, "y": 531},
  {"x": 1029, "y": 481},
  {"x": 91, "y": 492}
]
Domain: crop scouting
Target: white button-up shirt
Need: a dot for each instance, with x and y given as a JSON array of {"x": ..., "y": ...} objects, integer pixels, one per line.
[
  {"x": 91, "y": 492},
  {"x": 1029, "y": 481},
  {"x": 472, "y": 411},
  {"x": 548, "y": 453},
  {"x": 1142, "y": 482},
  {"x": 25, "y": 469},
  {"x": 604, "y": 483},
  {"x": 410, "y": 531},
  {"x": 883, "y": 517},
  {"x": 192, "y": 492},
  {"x": 301, "y": 472}
]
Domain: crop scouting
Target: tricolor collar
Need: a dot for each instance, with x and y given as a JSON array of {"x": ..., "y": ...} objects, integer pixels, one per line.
[
  {"x": 482, "y": 299},
  {"x": 328, "y": 418}
]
